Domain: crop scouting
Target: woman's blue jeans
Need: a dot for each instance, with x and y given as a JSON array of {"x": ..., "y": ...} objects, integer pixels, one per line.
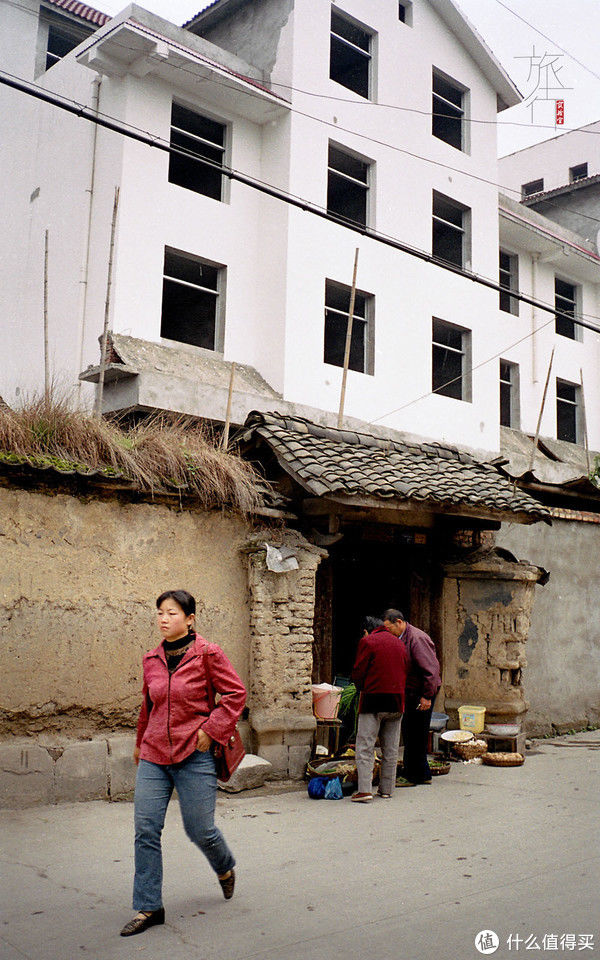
[{"x": 195, "y": 780}]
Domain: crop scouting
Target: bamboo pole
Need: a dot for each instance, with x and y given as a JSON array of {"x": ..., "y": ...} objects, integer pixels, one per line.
[
  {"x": 46, "y": 354},
  {"x": 539, "y": 423},
  {"x": 584, "y": 423},
  {"x": 225, "y": 437},
  {"x": 100, "y": 390},
  {"x": 348, "y": 343}
]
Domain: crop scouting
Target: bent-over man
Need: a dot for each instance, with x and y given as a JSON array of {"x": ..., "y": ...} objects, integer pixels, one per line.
[{"x": 380, "y": 675}]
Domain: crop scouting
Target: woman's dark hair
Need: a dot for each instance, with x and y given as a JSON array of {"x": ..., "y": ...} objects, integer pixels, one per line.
[
  {"x": 181, "y": 597},
  {"x": 371, "y": 623}
]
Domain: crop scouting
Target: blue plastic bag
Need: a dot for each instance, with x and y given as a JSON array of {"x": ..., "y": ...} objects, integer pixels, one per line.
[
  {"x": 316, "y": 787},
  {"x": 333, "y": 789}
]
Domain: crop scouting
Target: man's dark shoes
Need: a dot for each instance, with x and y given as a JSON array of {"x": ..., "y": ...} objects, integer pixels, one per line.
[
  {"x": 227, "y": 884},
  {"x": 142, "y": 921}
]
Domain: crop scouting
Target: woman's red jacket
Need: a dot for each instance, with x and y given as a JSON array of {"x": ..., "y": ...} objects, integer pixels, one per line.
[{"x": 175, "y": 705}]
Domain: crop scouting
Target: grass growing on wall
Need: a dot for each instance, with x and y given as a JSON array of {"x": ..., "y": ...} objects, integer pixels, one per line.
[{"x": 160, "y": 454}]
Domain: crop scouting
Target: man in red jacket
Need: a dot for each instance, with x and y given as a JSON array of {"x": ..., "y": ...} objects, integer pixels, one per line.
[
  {"x": 422, "y": 685},
  {"x": 380, "y": 675}
]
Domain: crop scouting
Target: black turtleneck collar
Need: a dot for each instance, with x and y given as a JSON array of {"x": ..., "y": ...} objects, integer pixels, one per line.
[{"x": 174, "y": 646}]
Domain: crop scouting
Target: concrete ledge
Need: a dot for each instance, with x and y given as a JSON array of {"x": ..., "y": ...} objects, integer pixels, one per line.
[
  {"x": 81, "y": 773},
  {"x": 121, "y": 768},
  {"x": 26, "y": 774},
  {"x": 97, "y": 769}
]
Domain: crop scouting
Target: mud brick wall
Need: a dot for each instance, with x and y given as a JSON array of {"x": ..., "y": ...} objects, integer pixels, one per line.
[
  {"x": 78, "y": 583},
  {"x": 281, "y": 652}
]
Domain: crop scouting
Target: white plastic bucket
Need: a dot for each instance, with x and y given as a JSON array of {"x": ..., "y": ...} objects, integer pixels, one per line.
[{"x": 326, "y": 700}]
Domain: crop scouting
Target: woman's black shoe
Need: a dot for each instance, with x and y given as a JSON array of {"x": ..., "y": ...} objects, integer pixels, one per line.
[
  {"x": 227, "y": 884},
  {"x": 142, "y": 921}
]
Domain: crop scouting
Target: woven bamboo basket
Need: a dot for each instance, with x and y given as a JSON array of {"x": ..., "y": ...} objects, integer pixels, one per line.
[
  {"x": 438, "y": 768},
  {"x": 504, "y": 759},
  {"x": 470, "y": 749}
]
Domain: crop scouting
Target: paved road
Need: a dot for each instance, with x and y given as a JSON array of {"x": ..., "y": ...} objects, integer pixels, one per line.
[{"x": 413, "y": 878}]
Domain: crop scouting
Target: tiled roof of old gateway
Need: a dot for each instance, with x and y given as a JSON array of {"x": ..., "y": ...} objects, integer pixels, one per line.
[{"x": 338, "y": 463}]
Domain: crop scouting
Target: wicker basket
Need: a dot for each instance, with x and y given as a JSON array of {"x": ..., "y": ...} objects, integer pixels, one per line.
[
  {"x": 470, "y": 749},
  {"x": 504, "y": 759},
  {"x": 438, "y": 768}
]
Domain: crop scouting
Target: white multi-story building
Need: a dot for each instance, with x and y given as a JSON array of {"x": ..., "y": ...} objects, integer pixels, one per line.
[{"x": 329, "y": 104}]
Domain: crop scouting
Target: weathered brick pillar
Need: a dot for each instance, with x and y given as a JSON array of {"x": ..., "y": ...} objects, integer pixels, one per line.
[
  {"x": 486, "y": 617},
  {"x": 281, "y": 651}
]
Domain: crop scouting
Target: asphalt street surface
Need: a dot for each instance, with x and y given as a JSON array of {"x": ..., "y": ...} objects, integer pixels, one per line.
[{"x": 513, "y": 852}]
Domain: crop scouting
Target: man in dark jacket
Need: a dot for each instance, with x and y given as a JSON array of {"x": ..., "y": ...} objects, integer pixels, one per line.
[
  {"x": 380, "y": 674},
  {"x": 422, "y": 685}
]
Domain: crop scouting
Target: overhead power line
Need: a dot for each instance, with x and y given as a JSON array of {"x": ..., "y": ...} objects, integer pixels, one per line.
[
  {"x": 86, "y": 113},
  {"x": 549, "y": 39}
]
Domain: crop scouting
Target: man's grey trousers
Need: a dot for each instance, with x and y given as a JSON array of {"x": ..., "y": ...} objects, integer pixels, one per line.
[{"x": 387, "y": 727}]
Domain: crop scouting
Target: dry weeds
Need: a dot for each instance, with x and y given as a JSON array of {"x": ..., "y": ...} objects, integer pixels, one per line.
[{"x": 161, "y": 454}]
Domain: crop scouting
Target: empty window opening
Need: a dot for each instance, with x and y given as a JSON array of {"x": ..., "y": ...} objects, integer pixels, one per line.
[
  {"x": 198, "y": 136},
  {"x": 450, "y": 231},
  {"x": 534, "y": 186},
  {"x": 337, "y": 308},
  {"x": 347, "y": 186},
  {"x": 565, "y": 304},
  {"x": 451, "y": 360},
  {"x": 405, "y": 13},
  {"x": 192, "y": 301},
  {"x": 62, "y": 36},
  {"x": 509, "y": 394},
  {"x": 350, "y": 55},
  {"x": 448, "y": 111},
  {"x": 578, "y": 172},
  {"x": 568, "y": 409},
  {"x": 509, "y": 279}
]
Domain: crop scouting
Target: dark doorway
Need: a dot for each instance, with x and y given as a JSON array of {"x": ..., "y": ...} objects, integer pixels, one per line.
[{"x": 369, "y": 570}]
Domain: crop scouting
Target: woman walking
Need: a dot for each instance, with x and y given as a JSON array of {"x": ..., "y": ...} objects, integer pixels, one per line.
[{"x": 176, "y": 729}]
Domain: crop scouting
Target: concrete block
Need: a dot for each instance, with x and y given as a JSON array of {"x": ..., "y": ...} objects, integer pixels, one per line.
[
  {"x": 26, "y": 774},
  {"x": 298, "y": 738},
  {"x": 298, "y": 757},
  {"x": 121, "y": 768},
  {"x": 251, "y": 773},
  {"x": 277, "y": 757},
  {"x": 81, "y": 773}
]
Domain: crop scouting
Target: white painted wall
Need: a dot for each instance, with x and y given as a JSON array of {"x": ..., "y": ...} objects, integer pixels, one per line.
[
  {"x": 552, "y": 159},
  {"x": 278, "y": 258}
]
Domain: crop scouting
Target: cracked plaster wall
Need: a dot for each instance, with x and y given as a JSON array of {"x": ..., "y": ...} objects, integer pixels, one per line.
[
  {"x": 486, "y": 621},
  {"x": 77, "y": 589}
]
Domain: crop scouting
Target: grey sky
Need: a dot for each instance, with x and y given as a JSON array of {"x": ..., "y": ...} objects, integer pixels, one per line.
[{"x": 574, "y": 27}]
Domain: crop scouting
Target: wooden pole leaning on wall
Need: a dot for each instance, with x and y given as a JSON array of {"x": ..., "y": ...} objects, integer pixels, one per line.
[
  {"x": 100, "y": 388},
  {"x": 584, "y": 424},
  {"x": 539, "y": 423},
  {"x": 46, "y": 350},
  {"x": 225, "y": 437},
  {"x": 348, "y": 343}
]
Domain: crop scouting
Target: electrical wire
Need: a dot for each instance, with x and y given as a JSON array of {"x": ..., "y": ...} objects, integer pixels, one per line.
[
  {"x": 549, "y": 39},
  {"x": 135, "y": 133},
  {"x": 366, "y": 103},
  {"x": 471, "y": 369},
  {"x": 383, "y": 143},
  {"x": 335, "y": 126}
]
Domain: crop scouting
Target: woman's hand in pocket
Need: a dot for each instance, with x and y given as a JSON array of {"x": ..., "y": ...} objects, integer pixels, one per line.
[{"x": 204, "y": 742}]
